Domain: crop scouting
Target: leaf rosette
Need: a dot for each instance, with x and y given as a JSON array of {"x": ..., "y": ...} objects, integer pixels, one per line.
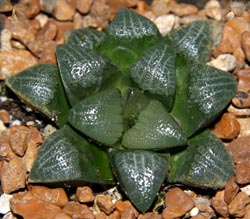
[{"x": 132, "y": 107}]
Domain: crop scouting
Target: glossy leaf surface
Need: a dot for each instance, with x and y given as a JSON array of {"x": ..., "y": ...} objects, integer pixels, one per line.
[
  {"x": 206, "y": 163},
  {"x": 40, "y": 86},
  {"x": 140, "y": 173},
  {"x": 99, "y": 116},
  {"x": 67, "y": 156},
  {"x": 193, "y": 41},
  {"x": 154, "y": 72},
  {"x": 202, "y": 92},
  {"x": 84, "y": 72},
  {"x": 85, "y": 38},
  {"x": 127, "y": 37},
  {"x": 155, "y": 129}
]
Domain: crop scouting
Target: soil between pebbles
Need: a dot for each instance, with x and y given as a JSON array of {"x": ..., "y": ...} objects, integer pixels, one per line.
[{"x": 31, "y": 29}]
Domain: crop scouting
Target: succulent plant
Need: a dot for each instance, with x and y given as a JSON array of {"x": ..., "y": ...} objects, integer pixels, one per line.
[{"x": 131, "y": 107}]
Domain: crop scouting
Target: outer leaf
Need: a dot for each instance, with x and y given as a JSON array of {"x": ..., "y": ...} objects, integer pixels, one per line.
[
  {"x": 205, "y": 163},
  {"x": 127, "y": 37},
  {"x": 84, "y": 72},
  {"x": 155, "y": 129},
  {"x": 140, "y": 173},
  {"x": 99, "y": 116},
  {"x": 41, "y": 87},
  {"x": 155, "y": 72},
  {"x": 66, "y": 156},
  {"x": 85, "y": 37},
  {"x": 202, "y": 93},
  {"x": 193, "y": 41}
]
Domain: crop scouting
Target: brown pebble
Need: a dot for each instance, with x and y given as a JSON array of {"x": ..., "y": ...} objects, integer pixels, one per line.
[
  {"x": 49, "y": 53},
  {"x": 64, "y": 10},
  {"x": 77, "y": 210},
  {"x": 83, "y": 6},
  {"x": 114, "y": 215},
  {"x": 31, "y": 7},
  {"x": 61, "y": 215},
  {"x": 105, "y": 203},
  {"x": 228, "y": 127},
  {"x": 18, "y": 139},
  {"x": 241, "y": 100},
  {"x": 55, "y": 196},
  {"x": 63, "y": 26},
  {"x": 101, "y": 215},
  {"x": 14, "y": 61},
  {"x": 245, "y": 41},
  {"x": 4, "y": 116},
  {"x": 160, "y": 7},
  {"x": 244, "y": 80},
  {"x": 84, "y": 194},
  {"x": 5, "y": 6},
  {"x": 13, "y": 175},
  {"x": 247, "y": 212},
  {"x": 150, "y": 215},
  {"x": 183, "y": 9},
  {"x": 240, "y": 56},
  {"x": 213, "y": 10},
  {"x": 231, "y": 190},
  {"x": 177, "y": 203},
  {"x": 219, "y": 204},
  {"x": 242, "y": 172},
  {"x": 30, "y": 208},
  {"x": 237, "y": 207},
  {"x": 48, "y": 31},
  {"x": 125, "y": 206},
  {"x": 223, "y": 48}
]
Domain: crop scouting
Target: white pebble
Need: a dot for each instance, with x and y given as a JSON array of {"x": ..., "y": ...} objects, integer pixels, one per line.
[
  {"x": 194, "y": 211},
  {"x": 5, "y": 203},
  {"x": 225, "y": 62},
  {"x": 2, "y": 126},
  {"x": 15, "y": 122},
  {"x": 246, "y": 189},
  {"x": 166, "y": 23}
]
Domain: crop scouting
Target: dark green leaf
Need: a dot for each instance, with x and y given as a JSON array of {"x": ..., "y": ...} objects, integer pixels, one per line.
[
  {"x": 40, "y": 86},
  {"x": 127, "y": 37},
  {"x": 85, "y": 37},
  {"x": 206, "y": 163},
  {"x": 155, "y": 129},
  {"x": 84, "y": 72},
  {"x": 193, "y": 41},
  {"x": 134, "y": 102},
  {"x": 155, "y": 71},
  {"x": 202, "y": 92},
  {"x": 66, "y": 156},
  {"x": 99, "y": 116},
  {"x": 140, "y": 173}
]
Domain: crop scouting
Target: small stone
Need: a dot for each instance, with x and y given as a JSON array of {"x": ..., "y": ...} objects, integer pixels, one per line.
[
  {"x": 241, "y": 100},
  {"x": 64, "y": 10},
  {"x": 42, "y": 18},
  {"x": 2, "y": 126},
  {"x": 243, "y": 80},
  {"x": 225, "y": 62},
  {"x": 242, "y": 172},
  {"x": 247, "y": 212},
  {"x": 237, "y": 7},
  {"x": 244, "y": 124},
  {"x": 84, "y": 194},
  {"x": 83, "y": 6},
  {"x": 150, "y": 215},
  {"x": 9, "y": 215},
  {"x": 183, "y": 9},
  {"x": 5, "y": 6},
  {"x": 101, "y": 215},
  {"x": 166, "y": 23},
  {"x": 62, "y": 27},
  {"x": 31, "y": 7},
  {"x": 13, "y": 175},
  {"x": 105, "y": 203},
  {"x": 246, "y": 189},
  {"x": 240, "y": 149},
  {"x": 237, "y": 207},
  {"x": 49, "y": 53},
  {"x": 223, "y": 48},
  {"x": 23, "y": 201},
  {"x": 160, "y": 7},
  {"x": 5, "y": 40},
  {"x": 77, "y": 210},
  {"x": 194, "y": 211},
  {"x": 4, "y": 116},
  {"x": 55, "y": 196},
  {"x": 231, "y": 190},
  {"x": 213, "y": 10},
  {"x": 14, "y": 61},
  {"x": 48, "y": 31},
  {"x": 220, "y": 205},
  {"x": 239, "y": 54},
  {"x": 177, "y": 203},
  {"x": 18, "y": 139},
  {"x": 62, "y": 215},
  {"x": 228, "y": 127},
  {"x": 5, "y": 203},
  {"x": 114, "y": 215},
  {"x": 245, "y": 41},
  {"x": 125, "y": 207}
]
